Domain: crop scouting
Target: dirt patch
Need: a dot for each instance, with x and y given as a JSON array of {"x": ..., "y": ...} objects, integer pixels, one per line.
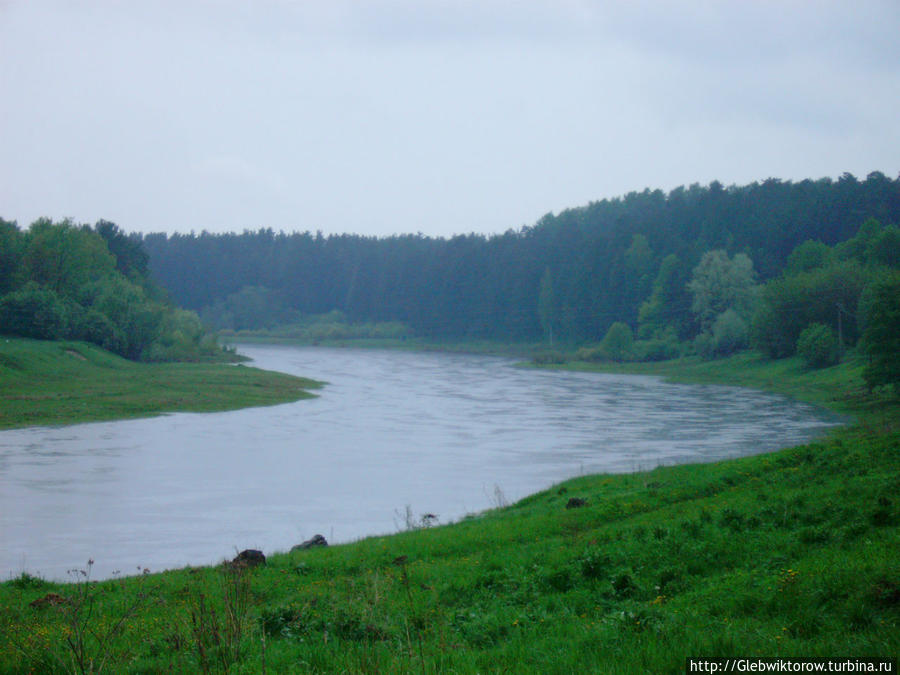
[{"x": 72, "y": 352}]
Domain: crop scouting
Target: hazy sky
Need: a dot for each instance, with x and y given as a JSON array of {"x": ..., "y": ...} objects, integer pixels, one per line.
[{"x": 398, "y": 116}]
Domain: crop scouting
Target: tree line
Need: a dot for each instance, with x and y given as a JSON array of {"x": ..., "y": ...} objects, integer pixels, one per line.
[
  {"x": 650, "y": 275},
  {"x": 68, "y": 281},
  {"x": 572, "y": 274}
]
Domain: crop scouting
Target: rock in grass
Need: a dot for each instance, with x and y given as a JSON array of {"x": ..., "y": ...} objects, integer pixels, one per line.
[
  {"x": 317, "y": 540},
  {"x": 576, "y": 502},
  {"x": 249, "y": 558},
  {"x": 49, "y": 600}
]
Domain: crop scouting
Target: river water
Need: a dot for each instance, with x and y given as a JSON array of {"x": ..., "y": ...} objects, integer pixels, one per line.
[{"x": 439, "y": 433}]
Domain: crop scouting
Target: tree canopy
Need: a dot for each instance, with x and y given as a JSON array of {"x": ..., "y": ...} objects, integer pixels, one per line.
[
  {"x": 608, "y": 261},
  {"x": 702, "y": 268},
  {"x": 62, "y": 280}
]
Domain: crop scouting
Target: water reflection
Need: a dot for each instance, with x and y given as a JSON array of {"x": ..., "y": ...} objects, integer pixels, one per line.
[{"x": 435, "y": 431}]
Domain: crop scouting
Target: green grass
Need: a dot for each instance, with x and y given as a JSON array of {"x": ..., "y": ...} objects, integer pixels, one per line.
[
  {"x": 793, "y": 553},
  {"x": 43, "y": 382},
  {"x": 839, "y": 387}
]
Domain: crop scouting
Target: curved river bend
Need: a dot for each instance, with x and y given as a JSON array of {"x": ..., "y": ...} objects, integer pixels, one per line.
[{"x": 437, "y": 432}]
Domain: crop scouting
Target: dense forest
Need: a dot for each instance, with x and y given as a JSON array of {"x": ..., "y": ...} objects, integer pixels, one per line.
[
  {"x": 784, "y": 267},
  {"x": 570, "y": 277},
  {"x": 62, "y": 280}
]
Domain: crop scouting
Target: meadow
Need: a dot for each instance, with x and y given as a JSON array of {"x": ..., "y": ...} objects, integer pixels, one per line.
[{"x": 48, "y": 382}]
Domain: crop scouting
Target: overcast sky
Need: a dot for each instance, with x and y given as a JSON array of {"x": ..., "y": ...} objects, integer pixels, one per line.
[{"x": 438, "y": 117}]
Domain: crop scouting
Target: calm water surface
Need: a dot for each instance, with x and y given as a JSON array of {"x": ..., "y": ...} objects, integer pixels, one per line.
[{"x": 440, "y": 433}]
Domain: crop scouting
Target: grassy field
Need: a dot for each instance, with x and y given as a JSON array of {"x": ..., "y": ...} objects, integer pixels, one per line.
[
  {"x": 793, "y": 553},
  {"x": 44, "y": 382}
]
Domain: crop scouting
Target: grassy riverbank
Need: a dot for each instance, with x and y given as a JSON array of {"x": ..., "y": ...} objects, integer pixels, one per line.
[
  {"x": 839, "y": 387},
  {"x": 43, "y": 382},
  {"x": 793, "y": 553}
]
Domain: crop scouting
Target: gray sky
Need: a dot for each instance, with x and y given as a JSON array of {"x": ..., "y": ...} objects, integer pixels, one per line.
[{"x": 399, "y": 116}]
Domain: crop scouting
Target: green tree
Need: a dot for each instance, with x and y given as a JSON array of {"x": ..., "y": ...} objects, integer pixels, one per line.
[
  {"x": 131, "y": 259},
  {"x": 639, "y": 256},
  {"x": 720, "y": 283},
  {"x": 808, "y": 256},
  {"x": 855, "y": 248},
  {"x": 618, "y": 342},
  {"x": 252, "y": 307},
  {"x": 666, "y": 310},
  {"x": 35, "y": 312},
  {"x": 827, "y": 295},
  {"x": 181, "y": 338},
  {"x": 64, "y": 257},
  {"x": 95, "y": 327},
  {"x": 881, "y": 338},
  {"x": 547, "y": 307},
  {"x": 730, "y": 333},
  {"x": 817, "y": 346},
  {"x": 884, "y": 248},
  {"x": 137, "y": 318},
  {"x": 10, "y": 255}
]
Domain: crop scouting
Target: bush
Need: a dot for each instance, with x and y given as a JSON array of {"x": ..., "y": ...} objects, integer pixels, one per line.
[
  {"x": 817, "y": 346},
  {"x": 549, "y": 358},
  {"x": 661, "y": 349},
  {"x": 95, "y": 327},
  {"x": 730, "y": 333},
  {"x": 703, "y": 346},
  {"x": 775, "y": 344},
  {"x": 594, "y": 353},
  {"x": 618, "y": 342},
  {"x": 33, "y": 312}
]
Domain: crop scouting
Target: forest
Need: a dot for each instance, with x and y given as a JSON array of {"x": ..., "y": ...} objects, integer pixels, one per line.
[
  {"x": 77, "y": 282},
  {"x": 780, "y": 266},
  {"x": 647, "y": 276}
]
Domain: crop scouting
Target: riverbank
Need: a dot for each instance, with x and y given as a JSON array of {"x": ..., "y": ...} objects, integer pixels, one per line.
[
  {"x": 48, "y": 383},
  {"x": 840, "y": 388},
  {"x": 484, "y": 347},
  {"x": 787, "y": 554}
]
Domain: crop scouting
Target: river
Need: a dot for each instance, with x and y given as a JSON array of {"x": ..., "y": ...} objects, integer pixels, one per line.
[{"x": 445, "y": 434}]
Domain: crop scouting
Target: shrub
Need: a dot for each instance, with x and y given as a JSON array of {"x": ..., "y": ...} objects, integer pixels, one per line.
[
  {"x": 817, "y": 346},
  {"x": 618, "y": 342},
  {"x": 549, "y": 358},
  {"x": 702, "y": 345},
  {"x": 33, "y": 312},
  {"x": 730, "y": 333},
  {"x": 661, "y": 349},
  {"x": 590, "y": 354},
  {"x": 95, "y": 327}
]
